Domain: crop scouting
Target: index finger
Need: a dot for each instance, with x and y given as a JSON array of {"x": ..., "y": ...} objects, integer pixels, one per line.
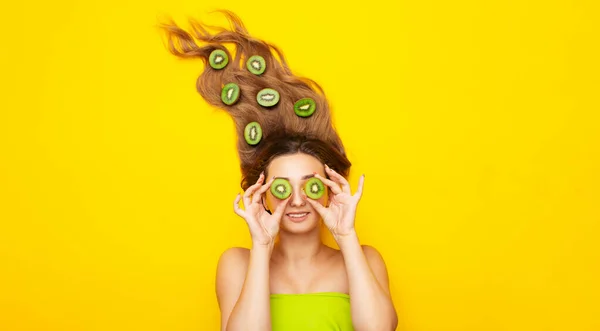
[
  {"x": 236, "y": 206},
  {"x": 335, "y": 188},
  {"x": 338, "y": 178},
  {"x": 253, "y": 188},
  {"x": 262, "y": 190}
]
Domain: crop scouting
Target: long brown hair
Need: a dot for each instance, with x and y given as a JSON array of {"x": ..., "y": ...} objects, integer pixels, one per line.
[{"x": 283, "y": 132}]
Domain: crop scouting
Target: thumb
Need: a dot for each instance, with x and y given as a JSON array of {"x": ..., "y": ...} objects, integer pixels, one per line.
[
  {"x": 317, "y": 205},
  {"x": 280, "y": 209}
]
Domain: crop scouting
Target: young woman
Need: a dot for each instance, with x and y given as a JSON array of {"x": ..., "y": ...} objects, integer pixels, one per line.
[{"x": 294, "y": 171}]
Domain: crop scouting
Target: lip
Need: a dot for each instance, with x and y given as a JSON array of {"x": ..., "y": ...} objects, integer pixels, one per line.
[{"x": 297, "y": 219}]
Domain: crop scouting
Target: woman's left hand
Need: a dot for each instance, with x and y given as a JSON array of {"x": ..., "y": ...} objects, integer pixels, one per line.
[{"x": 339, "y": 216}]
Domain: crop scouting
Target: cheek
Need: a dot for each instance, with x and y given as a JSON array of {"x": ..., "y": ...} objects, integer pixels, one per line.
[
  {"x": 270, "y": 200},
  {"x": 324, "y": 200}
]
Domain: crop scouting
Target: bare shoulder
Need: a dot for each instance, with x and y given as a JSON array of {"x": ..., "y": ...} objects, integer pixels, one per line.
[
  {"x": 231, "y": 260},
  {"x": 378, "y": 266},
  {"x": 372, "y": 254},
  {"x": 231, "y": 271},
  {"x": 234, "y": 254}
]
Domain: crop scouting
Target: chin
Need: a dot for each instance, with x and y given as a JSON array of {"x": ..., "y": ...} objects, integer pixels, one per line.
[{"x": 299, "y": 225}]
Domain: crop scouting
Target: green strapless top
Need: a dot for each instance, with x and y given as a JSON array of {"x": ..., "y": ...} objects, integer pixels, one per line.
[{"x": 323, "y": 311}]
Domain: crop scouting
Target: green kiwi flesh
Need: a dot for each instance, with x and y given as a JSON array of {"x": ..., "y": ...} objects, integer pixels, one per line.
[
  {"x": 218, "y": 59},
  {"x": 314, "y": 188},
  {"x": 256, "y": 64},
  {"x": 305, "y": 107},
  {"x": 230, "y": 93},
  {"x": 267, "y": 97},
  {"x": 253, "y": 133},
  {"x": 281, "y": 188}
]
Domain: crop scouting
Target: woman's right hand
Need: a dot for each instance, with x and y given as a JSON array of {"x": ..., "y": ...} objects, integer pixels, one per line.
[{"x": 263, "y": 226}]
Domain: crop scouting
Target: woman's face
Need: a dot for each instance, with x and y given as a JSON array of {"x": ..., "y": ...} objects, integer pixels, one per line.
[{"x": 297, "y": 169}]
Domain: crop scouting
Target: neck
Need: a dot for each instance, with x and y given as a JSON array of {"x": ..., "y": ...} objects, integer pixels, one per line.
[{"x": 298, "y": 248}]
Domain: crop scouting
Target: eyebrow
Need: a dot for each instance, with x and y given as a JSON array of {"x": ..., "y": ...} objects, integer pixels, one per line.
[{"x": 303, "y": 177}]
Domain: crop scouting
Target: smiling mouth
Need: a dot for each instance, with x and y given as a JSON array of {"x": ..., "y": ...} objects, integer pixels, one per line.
[{"x": 296, "y": 215}]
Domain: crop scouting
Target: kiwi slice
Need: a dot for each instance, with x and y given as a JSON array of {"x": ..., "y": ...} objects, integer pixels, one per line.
[
  {"x": 253, "y": 133},
  {"x": 281, "y": 188},
  {"x": 314, "y": 188},
  {"x": 218, "y": 59},
  {"x": 256, "y": 64},
  {"x": 267, "y": 97},
  {"x": 230, "y": 93},
  {"x": 305, "y": 107}
]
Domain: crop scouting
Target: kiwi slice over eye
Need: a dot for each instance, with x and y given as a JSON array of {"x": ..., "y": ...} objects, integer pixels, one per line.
[
  {"x": 281, "y": 188},
  {"x": 267, "y": 97},
  {"x": 314, "y": 188},
  {"x": 305, "y": 107},
  {"x": 256, "y": 64},
  {"x": 218, "y": 59},
  {"x": 230, "y": 93},
  {"x": 253, "y": 133}
]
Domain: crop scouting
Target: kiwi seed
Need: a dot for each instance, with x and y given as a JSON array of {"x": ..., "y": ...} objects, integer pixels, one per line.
[
  {"x": 256, "y": 64},
  {"x": 218, "y": 59},
  {"x": 230, "y": 93},
  {"x": 314, "y": 188},
  {"x": 267, "y": 97},
  {"x": 281, "y": 188},
  {"x": 305, "y": 107},
  {"x": 253, "y": 133}
]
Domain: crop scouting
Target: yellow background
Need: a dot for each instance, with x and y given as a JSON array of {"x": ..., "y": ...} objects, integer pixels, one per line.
[{"x": 475, "y": 122}]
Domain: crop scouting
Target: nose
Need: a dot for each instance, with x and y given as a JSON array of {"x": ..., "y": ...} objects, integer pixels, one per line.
[{"x": 296, "y": 200}]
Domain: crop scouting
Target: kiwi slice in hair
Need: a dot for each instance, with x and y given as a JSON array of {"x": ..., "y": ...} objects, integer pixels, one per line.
[
  {"x": 281, "y": 188},
  {"x": 230, "y": 93},
  {"x": 256, "y": 64},
  {"x": 218, "y": 59},
  {"x": 267, "y": 97},
  {"x": 305, "y": 107},
  {"x": 314, "y": 188},
  {"x": 253, "y": 133}
]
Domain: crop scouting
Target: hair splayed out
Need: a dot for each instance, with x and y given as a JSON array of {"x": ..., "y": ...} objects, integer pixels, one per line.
[{"x": 283, "y": 131}]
